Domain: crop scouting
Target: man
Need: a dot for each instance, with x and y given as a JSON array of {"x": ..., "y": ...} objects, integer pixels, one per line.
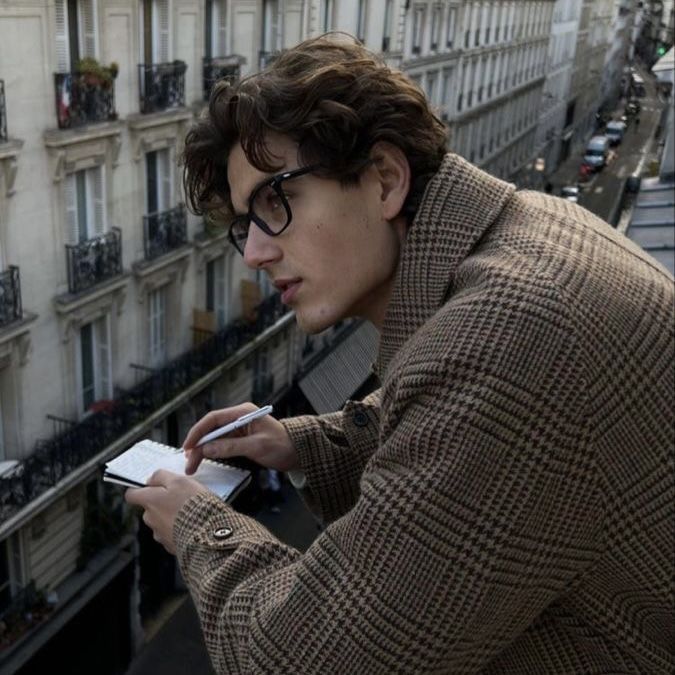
[{"x": 504, "y": 503}]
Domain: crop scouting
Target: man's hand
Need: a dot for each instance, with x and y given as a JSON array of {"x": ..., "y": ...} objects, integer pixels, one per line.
[
  {"x": 164, "y": 497},
  {"x": 264, "y": 440}
]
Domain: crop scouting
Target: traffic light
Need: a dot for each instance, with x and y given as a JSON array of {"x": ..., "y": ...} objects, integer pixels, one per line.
[{"x": 661, "y": 50}]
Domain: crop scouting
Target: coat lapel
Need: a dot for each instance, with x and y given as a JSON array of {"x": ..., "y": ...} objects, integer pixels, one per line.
[{"x": 458, "y": 206}]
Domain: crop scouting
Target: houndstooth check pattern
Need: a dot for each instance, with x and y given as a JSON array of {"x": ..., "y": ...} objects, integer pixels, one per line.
[{"x": 506, "y": 505}]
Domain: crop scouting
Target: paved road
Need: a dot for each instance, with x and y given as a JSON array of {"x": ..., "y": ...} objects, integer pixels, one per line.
[{"x": 602, "y": 194}]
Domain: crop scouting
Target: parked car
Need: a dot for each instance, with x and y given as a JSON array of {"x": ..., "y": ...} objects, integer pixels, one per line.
[
  {"x": 597, "y": 152},
  {"x": 570, "y": 192},
  {"x": 615, "y": 131}
]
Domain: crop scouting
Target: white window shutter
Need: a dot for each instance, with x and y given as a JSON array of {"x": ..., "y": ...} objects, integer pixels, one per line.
[
  {"x": 70, "y": 198},
  {"x": 62, "y": 45},
  {"x": 87, "y": 28},
  {"x": 103, "y": 362},
  {"x": 221, "y": 46},
  {"x": 162, "y": 31},
  {"x": 98, "y": 191}
]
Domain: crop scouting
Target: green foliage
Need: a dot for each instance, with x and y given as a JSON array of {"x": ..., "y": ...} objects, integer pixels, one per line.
[{"x": 95, "y": 73}]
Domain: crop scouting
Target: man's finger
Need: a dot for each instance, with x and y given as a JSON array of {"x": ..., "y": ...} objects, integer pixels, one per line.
[
  {"x": 213, "y": 420},
  {"x": 193, "y": 460},
  {"x": 161, "y": 478},
  {"x": 231, "y": 446}
]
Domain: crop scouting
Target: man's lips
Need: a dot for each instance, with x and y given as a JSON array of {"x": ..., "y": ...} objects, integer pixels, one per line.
[{"x": 288, "y": 288}]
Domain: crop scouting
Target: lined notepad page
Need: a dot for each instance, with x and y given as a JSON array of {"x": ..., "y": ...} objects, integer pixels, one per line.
[{"x": 143, "y": 459}]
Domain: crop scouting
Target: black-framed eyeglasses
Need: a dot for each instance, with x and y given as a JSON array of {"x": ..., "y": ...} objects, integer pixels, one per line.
[{"x": 268, "y": 208}]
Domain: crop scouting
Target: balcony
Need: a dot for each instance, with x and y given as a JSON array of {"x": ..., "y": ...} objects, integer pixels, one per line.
[
  {"x": 164, "y": 232},
  {"x": 75, "y": 444},
  {"x": 85, "y": 96},
  {"x": 220, "y": 68},
  {"x": 3, "y": 114},
  {"x": 162, "y": 86},
  {"x": 93, "y": 261},
  {"x": 10, "y": 296}
]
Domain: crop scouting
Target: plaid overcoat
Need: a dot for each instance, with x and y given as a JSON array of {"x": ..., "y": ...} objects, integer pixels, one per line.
[{"x": 504, "y": 503}]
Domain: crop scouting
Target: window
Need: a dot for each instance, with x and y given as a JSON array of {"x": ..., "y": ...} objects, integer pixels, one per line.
[
  {"x": 11, "y": 569},
  {"x": 157, "y": 326},
  {"x": 85, "y": 205},
  {"x": 76, "y": 34},
  {"x": 156, "y": 31},
  {"x": 270, "y": 27},
  {"x": 418, "y": 29},
  {"x": 436, "y": 26},
  {"x": 361, "y": 20},
  {"x": 447, "y": 84},
  {"x": 452, "y": 21},
  {"x": 218, "y": 290},
  {"x": 159, "y": 181},
  {"x": 95, "y": 383},
  {"x": 215, "y": 28},
  {"x": 386, "y": 34},
  {"x": 431, "y": 87},
  {"x": 327, "y": 15}
]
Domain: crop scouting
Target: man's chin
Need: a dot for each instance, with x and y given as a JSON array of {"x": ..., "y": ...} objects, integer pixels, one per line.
[{"x": 311, "y": 324}]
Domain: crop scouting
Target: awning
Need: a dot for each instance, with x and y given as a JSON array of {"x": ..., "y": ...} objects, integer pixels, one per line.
[{"x": 339, "y": 374}]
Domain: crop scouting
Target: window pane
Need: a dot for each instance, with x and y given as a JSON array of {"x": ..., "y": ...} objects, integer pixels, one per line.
[{"x": 87, "y": 363}]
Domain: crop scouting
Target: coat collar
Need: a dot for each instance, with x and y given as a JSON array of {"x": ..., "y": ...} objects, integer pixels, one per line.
[{"x": 459, "y": 204}]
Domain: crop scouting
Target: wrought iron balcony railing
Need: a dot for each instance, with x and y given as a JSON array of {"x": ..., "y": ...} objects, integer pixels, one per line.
[
  {"x": 162, "y": 86},
  {"x": 220, "y": 68},
  {"x": 83, "y": 98},
  {"x": 164, "y": 231},
  {"x": 10, "y": 296},
  {"x": 94, "y": 260},
  {"x": 55, "y": 458},
  {"x": 3, "y": 114}
]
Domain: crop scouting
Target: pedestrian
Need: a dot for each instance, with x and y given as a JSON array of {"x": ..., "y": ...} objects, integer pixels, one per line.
[
  {"x": 637, "y": 123},
  {"x": 504, "y": 502}
]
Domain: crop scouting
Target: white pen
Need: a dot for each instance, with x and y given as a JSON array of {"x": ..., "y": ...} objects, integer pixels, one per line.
[{"x": 239, "y": 422}]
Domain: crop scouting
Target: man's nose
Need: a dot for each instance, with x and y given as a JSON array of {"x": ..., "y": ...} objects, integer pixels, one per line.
[{"x": 261, "y": 249}]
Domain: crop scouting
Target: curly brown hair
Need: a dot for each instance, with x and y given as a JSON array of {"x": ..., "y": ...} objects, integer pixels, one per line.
[{"x": 331, "y": 96}]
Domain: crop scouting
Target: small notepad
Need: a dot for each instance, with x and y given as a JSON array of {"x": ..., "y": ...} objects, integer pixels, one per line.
[{"x": 134, "y": 467}]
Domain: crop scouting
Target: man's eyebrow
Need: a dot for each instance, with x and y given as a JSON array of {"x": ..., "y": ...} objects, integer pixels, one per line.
[{"x": 260, "y": 183}]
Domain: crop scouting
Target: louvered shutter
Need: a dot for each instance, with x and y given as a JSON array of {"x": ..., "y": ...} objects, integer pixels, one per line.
[
  {"x": 103, "y": 364},
  {"x": 96, "y": 176},
  {"x": 62, "y": 45},
  {"x": 70, "y": 198},
  {"x": 162, "y": 24},
  {"x": 87, "y": 28},
  {"x": 221, "y": 47}
]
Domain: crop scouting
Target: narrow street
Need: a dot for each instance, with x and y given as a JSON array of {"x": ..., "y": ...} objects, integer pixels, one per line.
[{"x": 603, "y": 194}]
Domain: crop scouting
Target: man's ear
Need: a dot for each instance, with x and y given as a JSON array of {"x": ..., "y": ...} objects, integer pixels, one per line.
[{"x": 394, "y": 176}]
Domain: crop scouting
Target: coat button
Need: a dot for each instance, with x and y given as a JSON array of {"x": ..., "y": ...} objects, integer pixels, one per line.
[
  {"x": 222, "y": 533},
  {"x": 360, "y": 419}
]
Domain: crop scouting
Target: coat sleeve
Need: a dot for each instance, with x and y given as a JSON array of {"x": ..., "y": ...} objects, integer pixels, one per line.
[
  {"x": 478, "y": 509},
  {"x": 332, "y": 451}
]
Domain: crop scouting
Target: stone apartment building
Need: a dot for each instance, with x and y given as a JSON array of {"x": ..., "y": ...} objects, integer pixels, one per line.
[{"x": 123, "y": 316}]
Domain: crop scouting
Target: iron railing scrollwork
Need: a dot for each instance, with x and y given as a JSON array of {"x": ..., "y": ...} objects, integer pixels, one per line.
[
  {"x": 220, "y": 68},
  {"x": 94, "y": 260},
  {"x": 54, "y": 458},
  {"x": 164, "y": 231},
  {"x": 83, "y": 99},
  {"x": 10, "y": 295},
  {"x": 3, "y": 114},
  {"x": 162, "y": 86}
]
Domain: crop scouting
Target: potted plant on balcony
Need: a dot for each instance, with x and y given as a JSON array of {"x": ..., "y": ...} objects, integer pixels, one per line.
[{"x": 95, "y": 74}]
